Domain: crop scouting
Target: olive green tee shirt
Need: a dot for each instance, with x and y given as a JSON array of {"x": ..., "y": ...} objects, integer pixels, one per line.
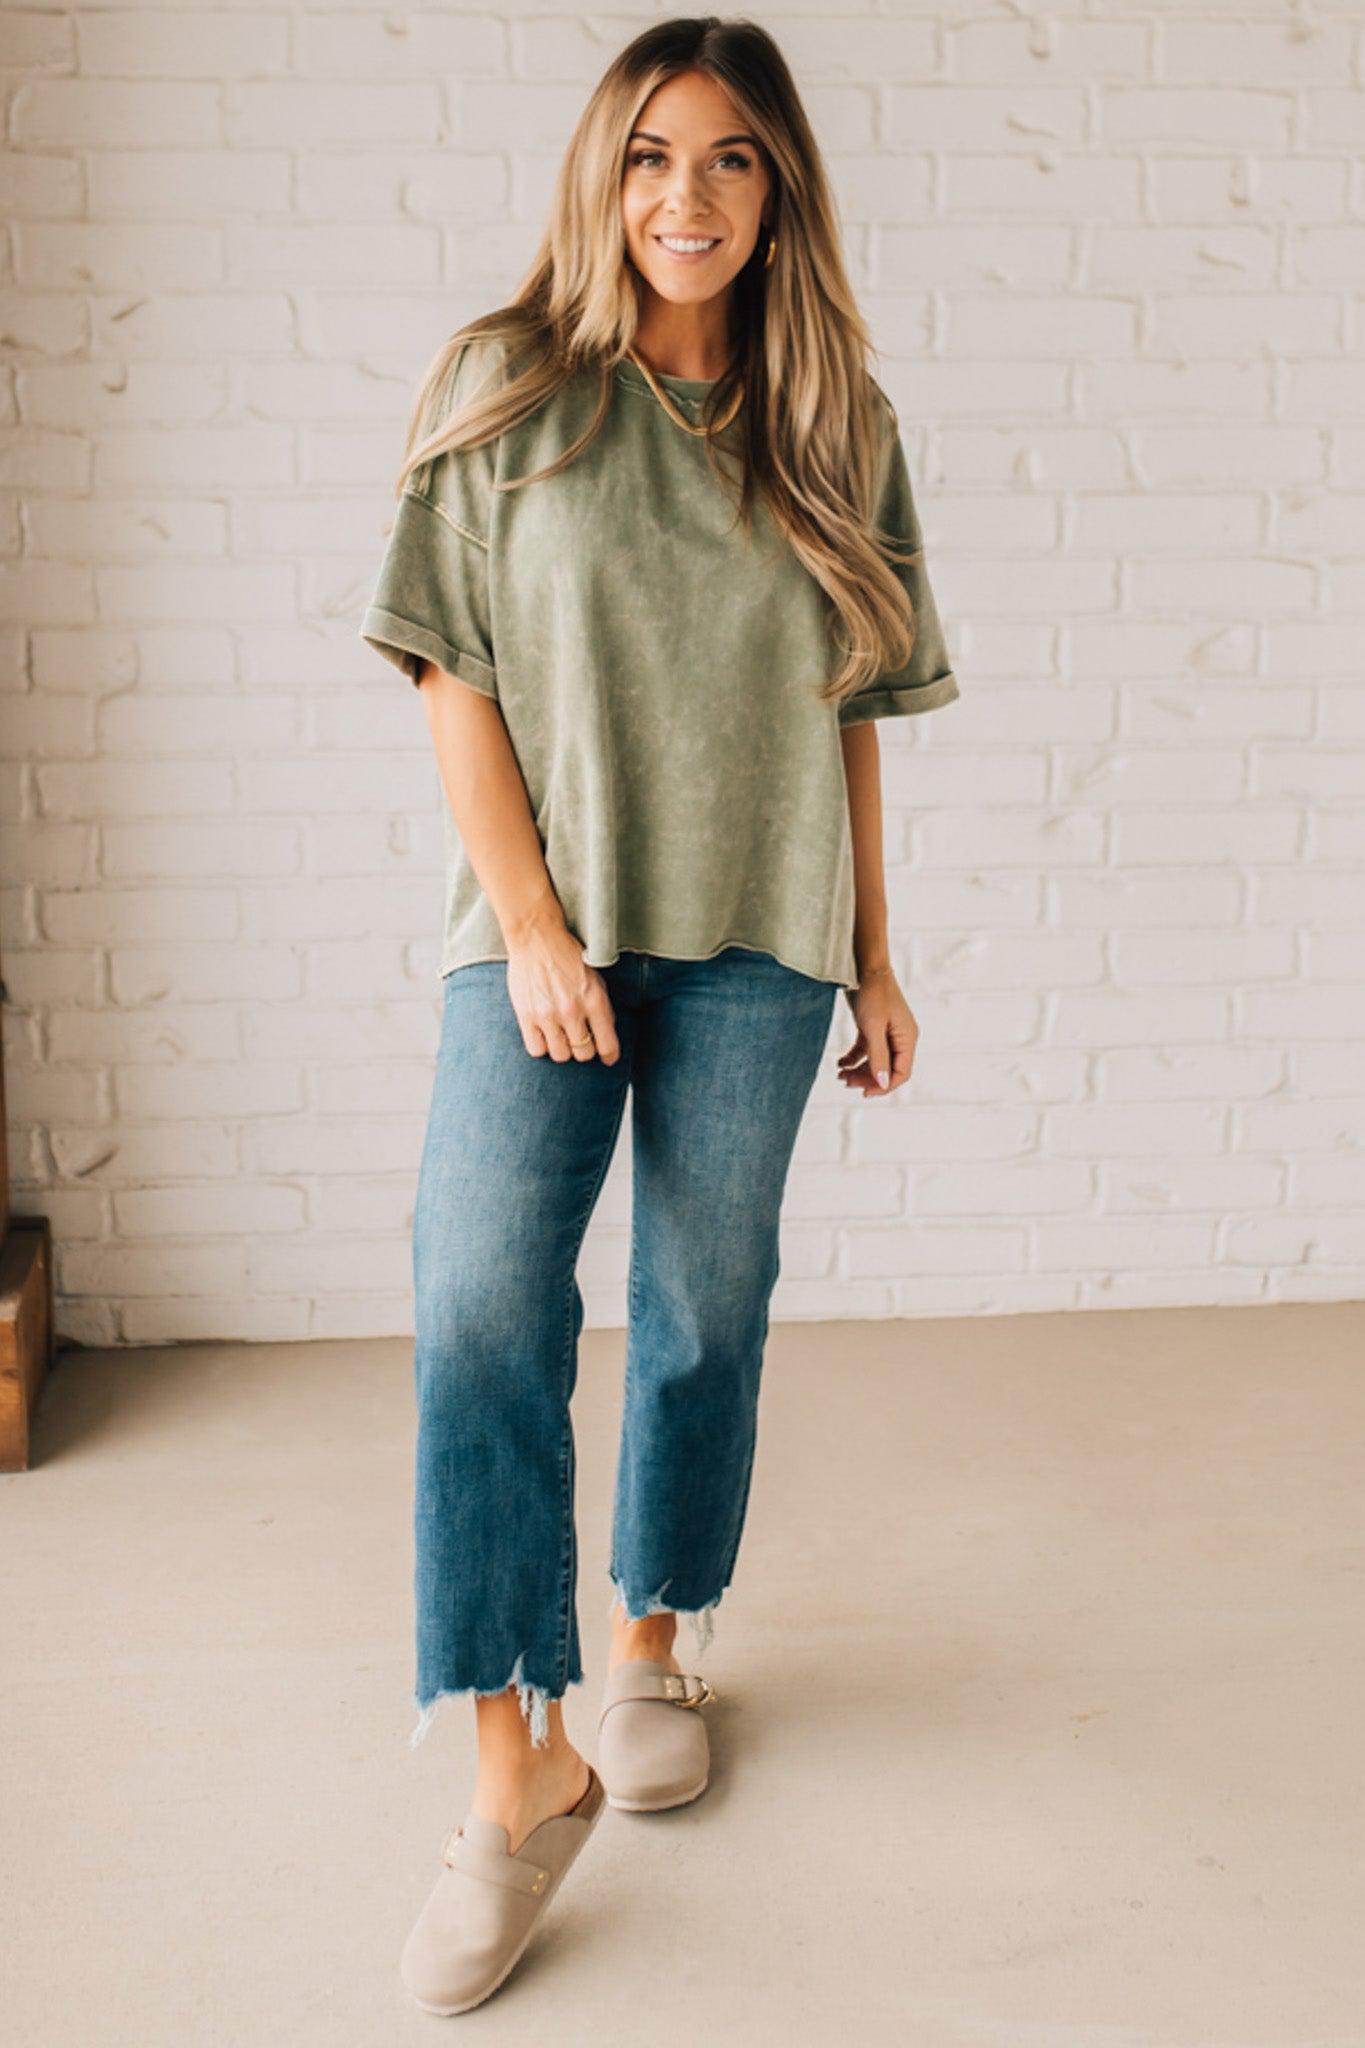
[{"x": 656, "y": 670}]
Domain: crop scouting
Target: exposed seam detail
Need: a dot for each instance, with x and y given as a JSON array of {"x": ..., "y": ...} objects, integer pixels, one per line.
[
  {"x": 831, "y": 980},
  {"x": 441, "y": 513},
  {"x": 678, "y": 397}
]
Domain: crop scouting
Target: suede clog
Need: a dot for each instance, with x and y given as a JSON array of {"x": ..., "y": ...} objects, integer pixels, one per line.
[
  {"x": 486, "y": 1904},
  {"x": 650, "y": 1754}
]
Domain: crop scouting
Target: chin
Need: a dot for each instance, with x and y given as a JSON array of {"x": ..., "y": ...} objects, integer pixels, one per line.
[
  {"x": 681, "y": 291},
  {"x": 682, "y": 297}
]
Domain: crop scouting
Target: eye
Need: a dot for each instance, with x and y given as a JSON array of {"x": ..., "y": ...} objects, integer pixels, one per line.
[{"x": 728, "y": 156}]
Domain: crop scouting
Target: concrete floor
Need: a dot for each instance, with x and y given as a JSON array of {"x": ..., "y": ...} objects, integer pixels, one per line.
[{"x": 1043, "y": 1714}]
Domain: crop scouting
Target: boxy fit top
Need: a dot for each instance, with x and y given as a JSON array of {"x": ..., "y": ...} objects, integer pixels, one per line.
[{"x": 656, "y": 670}]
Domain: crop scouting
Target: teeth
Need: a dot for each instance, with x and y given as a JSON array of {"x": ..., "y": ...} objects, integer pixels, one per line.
[{"x": 685, "y": 248}]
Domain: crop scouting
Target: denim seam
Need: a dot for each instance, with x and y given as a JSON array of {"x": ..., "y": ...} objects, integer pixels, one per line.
[
  {"x": 632, "y": 1328},
  {"x": 727, "y": 1569},
  {"x": 742, "y": 1508},
  {"x": 566, "y": 1439},
  {"x": 632, "y": 1284}
]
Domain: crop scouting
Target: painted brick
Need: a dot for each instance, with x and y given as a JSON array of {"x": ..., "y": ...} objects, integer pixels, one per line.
[{"x": 1111, "y": 264}]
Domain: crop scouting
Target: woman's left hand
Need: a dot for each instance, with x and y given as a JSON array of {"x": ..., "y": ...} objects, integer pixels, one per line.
[{"x": 887, "y": 1034}]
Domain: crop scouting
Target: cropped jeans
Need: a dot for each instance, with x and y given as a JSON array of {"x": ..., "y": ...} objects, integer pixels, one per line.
[{"x": 719, "y": 1056}]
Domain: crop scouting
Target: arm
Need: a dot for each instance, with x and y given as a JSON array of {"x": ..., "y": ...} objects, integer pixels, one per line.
[
  {"x": 557, "y": 996},
  {"x": 862, "y": 771},
  {"x": 883, "y": 1053},
  {"x": 489, "y": 804}
]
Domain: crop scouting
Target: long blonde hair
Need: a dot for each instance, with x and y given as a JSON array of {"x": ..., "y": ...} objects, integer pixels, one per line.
[{"x": 814, "y": 428}]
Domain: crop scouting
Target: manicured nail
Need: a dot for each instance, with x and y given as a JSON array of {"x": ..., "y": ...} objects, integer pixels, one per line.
[{"x": 882, "y": 1080}]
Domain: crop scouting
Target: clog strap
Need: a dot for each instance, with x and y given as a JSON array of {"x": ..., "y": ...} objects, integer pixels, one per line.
[
  {"x": 630, "y": 1681},
  {"x": 509, "y": 1871}
]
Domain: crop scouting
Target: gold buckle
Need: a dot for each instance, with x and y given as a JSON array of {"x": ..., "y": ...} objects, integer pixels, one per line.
[{"x": 708, "y": 1692}]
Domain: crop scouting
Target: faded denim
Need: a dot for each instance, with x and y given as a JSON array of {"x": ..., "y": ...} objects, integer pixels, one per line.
[{"x": 719, "y": 1056}]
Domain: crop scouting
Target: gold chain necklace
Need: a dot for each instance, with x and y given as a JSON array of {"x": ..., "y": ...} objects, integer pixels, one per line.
[{"x": 669, "y": 404}]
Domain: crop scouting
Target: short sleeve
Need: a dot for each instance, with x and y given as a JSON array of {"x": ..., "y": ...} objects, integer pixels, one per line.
[
  {"x": 927, "y": 680},
  {"x": 431, "y": 599}
]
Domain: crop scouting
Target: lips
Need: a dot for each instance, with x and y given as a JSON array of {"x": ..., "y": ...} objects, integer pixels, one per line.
[{"x": 690, "y": 255}]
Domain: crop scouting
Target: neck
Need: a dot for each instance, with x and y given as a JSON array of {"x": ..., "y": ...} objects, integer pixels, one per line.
[{"x": 685, "y": 341}]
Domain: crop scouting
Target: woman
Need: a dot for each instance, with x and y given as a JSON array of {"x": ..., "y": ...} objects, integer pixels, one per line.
[{"x": 656, "y": 571}]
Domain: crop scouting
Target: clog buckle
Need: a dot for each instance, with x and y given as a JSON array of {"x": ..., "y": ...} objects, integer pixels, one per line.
[{"x": 698, "y": 1699}]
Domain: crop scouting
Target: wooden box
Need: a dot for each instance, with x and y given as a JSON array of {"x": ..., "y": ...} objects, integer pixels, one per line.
[{"x": 26, "y": 1335}]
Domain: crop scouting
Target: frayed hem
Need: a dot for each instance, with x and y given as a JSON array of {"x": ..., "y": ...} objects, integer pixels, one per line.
[
  {"x": 702, "y": 1619},
  {"x": 534, "y": 1701}
]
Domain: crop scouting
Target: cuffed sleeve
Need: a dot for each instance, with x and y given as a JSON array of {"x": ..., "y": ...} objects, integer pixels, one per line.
[
  {"x": 927, "y": 679},
  {"x": 431, "y": 599}
]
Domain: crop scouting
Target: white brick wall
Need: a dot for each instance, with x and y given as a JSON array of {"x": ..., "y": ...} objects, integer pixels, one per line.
[{"x": 1113, "y": 256}]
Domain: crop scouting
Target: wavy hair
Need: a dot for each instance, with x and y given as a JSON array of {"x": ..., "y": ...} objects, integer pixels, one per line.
[{"x": 813, "y": 432}]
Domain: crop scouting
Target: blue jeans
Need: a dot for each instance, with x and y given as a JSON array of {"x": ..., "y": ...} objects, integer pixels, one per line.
[{"x": 720, "y": 1056}]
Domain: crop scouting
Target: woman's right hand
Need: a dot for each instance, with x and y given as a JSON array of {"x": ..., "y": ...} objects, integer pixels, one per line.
[{"x": 559, "y": 997}]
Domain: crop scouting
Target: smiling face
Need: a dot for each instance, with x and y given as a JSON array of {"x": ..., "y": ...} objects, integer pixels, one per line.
[{"x": 694, "y": 190}]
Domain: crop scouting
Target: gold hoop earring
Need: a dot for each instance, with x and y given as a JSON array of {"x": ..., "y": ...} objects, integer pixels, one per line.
[{"x": 772, "y": 249}]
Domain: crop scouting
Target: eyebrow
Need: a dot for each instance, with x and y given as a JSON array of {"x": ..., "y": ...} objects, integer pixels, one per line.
[{"x": 645, "y": 136}]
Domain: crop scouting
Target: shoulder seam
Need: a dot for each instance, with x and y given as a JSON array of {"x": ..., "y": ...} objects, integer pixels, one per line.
[{"x": 441, "y": 513}]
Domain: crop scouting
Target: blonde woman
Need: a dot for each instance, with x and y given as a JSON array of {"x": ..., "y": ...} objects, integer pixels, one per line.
[{"x": 656, "y": 571}]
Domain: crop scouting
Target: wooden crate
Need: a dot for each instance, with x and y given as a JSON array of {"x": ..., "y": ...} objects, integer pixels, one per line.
[{"x": 26, "y": 1337}]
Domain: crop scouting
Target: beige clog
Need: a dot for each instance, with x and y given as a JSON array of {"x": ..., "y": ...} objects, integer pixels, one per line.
[
  {"x": 486, "y": 1904},
  {"x": 651, "y": 1755}
]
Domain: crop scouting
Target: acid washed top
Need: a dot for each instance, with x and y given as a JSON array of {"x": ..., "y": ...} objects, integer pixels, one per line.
[{"x": 656, "y": 670}]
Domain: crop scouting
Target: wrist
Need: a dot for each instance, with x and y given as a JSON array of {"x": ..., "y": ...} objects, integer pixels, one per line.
[{"x": 541, "y": 917}]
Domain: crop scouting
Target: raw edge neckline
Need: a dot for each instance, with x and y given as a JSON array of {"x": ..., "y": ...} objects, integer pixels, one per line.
[{"x": 683, "y": 387}]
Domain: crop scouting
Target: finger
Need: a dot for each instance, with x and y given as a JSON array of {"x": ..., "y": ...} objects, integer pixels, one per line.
[
  {"x": 902, "y": 1060},
  {"x": 602, "y": 1023},
  {"x": 879, "y": 1062},
  {"x": 903, "y": 1043},
  {"x": 557, "y": 1039},
  {"x": 578, "y": 1036}
]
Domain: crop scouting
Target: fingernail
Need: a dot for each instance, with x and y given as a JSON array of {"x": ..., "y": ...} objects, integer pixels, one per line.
[{"x": 882, "y": 1080}]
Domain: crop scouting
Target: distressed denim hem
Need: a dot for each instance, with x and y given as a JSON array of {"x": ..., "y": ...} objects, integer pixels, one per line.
[
  {"x": 533, "y": 1699},
  {"x": 702, "y": 1619}
]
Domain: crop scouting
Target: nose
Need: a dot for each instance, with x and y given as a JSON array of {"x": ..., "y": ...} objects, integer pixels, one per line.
[{"x": 686, "y": 194}]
